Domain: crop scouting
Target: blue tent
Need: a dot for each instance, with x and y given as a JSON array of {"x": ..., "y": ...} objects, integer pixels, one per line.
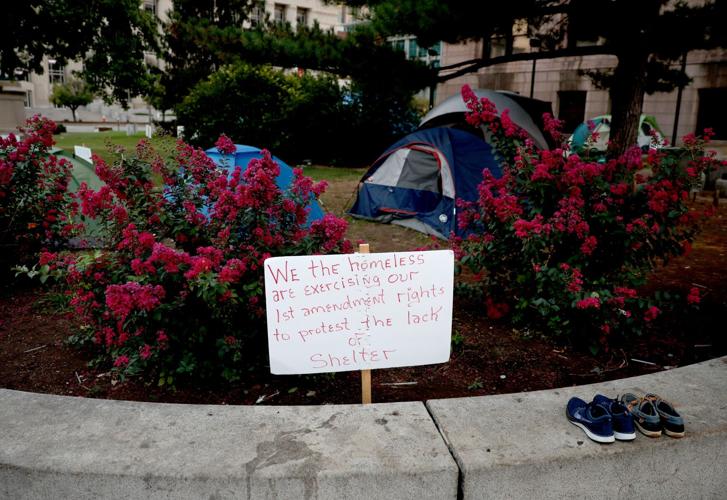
[
  {"x": 242, "y": 156},
  {"x": 416, "y": 181}
]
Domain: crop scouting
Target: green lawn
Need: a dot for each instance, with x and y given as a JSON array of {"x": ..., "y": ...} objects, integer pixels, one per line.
[
  {"x": 101, "y": 142},
  {"x": 331, "y": 174}
]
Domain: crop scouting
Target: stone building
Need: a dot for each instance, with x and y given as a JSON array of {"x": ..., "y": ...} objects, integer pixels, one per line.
[{"x": 575, "y": 98}]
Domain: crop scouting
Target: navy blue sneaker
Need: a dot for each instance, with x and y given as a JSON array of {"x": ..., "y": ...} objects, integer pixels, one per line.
[
  {"x": 594, "y": 419},
  {"x": 621, "y": 418}
]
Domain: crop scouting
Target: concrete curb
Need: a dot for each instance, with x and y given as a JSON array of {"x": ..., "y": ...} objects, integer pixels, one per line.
[
  {"x": 509, "y": 446},
  {"x": 55, "y": 447},
  {"x": 522, "y": 446}
]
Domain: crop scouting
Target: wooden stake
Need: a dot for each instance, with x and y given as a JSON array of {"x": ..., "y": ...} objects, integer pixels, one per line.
[
  {"x": 365, "y": 374},
  {"x": 366, "y": 387}
]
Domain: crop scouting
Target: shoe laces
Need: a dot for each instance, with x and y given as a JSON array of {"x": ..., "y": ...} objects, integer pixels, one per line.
[{"x": 634, "y": 403}]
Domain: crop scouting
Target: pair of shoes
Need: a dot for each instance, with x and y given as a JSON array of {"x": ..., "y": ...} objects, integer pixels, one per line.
[
  {"x": 603, "y": 420},
  {"x": 652, "y": 415}
]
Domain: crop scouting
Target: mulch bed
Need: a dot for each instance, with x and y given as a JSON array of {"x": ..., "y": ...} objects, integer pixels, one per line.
[{"x": 491, "y": 358}]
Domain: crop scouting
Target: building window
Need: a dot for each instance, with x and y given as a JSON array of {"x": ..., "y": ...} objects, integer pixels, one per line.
[
  {"x": 301, "y": 16},
  {"x": 571, "y": 108},
  {"x": 20, "y": 75},
  {"x": 151, "y": 7},
  {"x": 712, "y": 109},
  {"x": 280, "y": 13},
  {"x": 428, "y": 55},
  {"x": 412, "y": 51},
  {"x": 514, "y": 42},
  {"x": 56, "y": 72},
  {"x": 28, "y": 99},
  {"x": 520, "y": 40},
  {"x": 257, "y": 14}
]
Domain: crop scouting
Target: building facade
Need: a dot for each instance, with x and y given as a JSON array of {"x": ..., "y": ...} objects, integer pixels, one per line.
[{"x": 575, "y": 98}]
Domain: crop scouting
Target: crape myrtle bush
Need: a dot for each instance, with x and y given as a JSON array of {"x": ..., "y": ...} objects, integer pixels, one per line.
[
  {"x": 36, "y": 209},
  {"x": 563, "y": 243},
  {"x": 177, "y": 289}
]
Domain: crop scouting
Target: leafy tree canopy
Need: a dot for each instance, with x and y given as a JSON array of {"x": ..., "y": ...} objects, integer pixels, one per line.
[
  {"x": 108, "y": 36},
  {"x": 204, "y": 35}
]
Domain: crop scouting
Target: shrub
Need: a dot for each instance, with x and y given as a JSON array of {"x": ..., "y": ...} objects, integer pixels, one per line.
[
  {"x": 564, "y": 243},
  {"x": 177, "y": 290},
  {"x": 245, "y": 102},
  {"x": 36, "y": 209}
]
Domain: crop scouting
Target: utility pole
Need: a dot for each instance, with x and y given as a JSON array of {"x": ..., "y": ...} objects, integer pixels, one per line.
[
  {"x": 534, "y": 44},
  {"x": 679, "y": 101}
]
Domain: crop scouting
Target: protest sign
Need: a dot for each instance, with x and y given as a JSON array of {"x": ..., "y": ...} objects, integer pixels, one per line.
[{"x": 330, "y": 313}]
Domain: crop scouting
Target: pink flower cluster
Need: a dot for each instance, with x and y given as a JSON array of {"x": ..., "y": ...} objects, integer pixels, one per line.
[
  {"x": 589, "y": 302},
  {"x": 225, "y": 145},
  {"x": 123, "y": 299},
  {"x": 694, "y": 297}
]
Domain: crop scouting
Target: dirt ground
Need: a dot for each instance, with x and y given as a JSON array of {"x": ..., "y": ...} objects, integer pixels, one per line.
[{"x": 488, "y": 357}]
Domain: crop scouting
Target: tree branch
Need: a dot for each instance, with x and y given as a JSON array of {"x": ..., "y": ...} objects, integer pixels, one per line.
[{"x": 475, "y": 64}]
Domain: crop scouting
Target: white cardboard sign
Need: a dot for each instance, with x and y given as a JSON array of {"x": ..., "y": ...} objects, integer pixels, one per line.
[{"x": 332, "y": 313}]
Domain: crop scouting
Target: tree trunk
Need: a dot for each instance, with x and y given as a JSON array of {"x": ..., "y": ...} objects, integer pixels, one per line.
[
  {"x": 73, "y": 113},
  {"x": 633, "y": 45},
  {"x": 627, "y": 100}
]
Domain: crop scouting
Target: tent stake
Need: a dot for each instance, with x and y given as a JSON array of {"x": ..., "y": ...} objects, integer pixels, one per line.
[{"x": 365, "y": 374}]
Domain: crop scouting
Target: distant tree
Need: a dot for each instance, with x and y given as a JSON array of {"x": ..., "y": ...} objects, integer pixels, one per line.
[
  {"x": 108, "y": 36},
  {"x": 646, "y": 36},
  {"x": 71, "y": 94}
]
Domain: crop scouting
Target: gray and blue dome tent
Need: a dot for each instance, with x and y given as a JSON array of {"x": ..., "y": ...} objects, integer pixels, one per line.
[
  {"x": 241, "y": 158},
  {"x": 417, "y": 181}
]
